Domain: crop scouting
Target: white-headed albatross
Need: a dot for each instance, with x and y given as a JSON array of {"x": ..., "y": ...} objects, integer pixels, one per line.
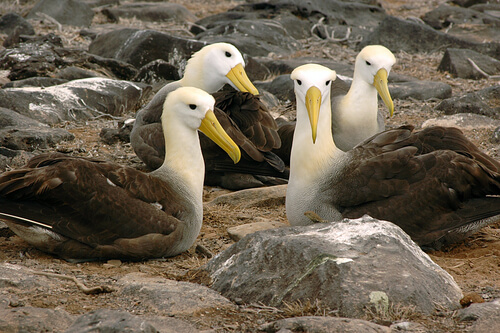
[
  {"x": 83, "y": 209},
  {"x": 355, "y": 112},
  {"x": 439, "y": 196},
  {"x": 240, "y": 113},
  {"x": 355, "y": 115}
]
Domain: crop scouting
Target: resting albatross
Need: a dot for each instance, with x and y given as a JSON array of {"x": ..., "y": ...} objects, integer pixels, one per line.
[
  {"x": 238, "y": 112},
  {"x": 83, "y": 209},
  {"x": 436, "y": 197},
  {"x": 355, "y": 113}
]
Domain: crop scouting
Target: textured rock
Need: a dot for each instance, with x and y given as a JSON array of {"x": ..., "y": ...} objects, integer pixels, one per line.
[
  {"x": 139, "y": 47},
  {"x": 106, "y": 320},
  {"x": 324, "y": 325},
  {"x": 413, "y": 36},
  {"x": 150, "y": 11},
  {"x": 71, "y": 12},
  {"x": 420, "y": 90},
  {"x": 253, "y": 197},
  {"x": 347, "y": 266},
  {"x": 240, "y": 231},
  {"x": 12, "y": 21},
  {"x": 75, "y": 100},
  {"x": 457, "y": 63},
  {"x": 33, "y": 320},
  {"x": 170, "y": 297},
  {"x": 467, "y": 121},
  {"x": 484, "y": 102}
]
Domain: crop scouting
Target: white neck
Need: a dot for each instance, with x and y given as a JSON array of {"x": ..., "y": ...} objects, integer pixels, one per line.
[
  {"x": 183, "y": 159},
  {"x": 361, "y": 102},
  {"x": 196, "y": 75},
  {"x": 309, "y": 159}
]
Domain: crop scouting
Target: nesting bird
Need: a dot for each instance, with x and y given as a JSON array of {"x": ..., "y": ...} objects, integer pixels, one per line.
[
  {"x": 240, "y": 113},
  {"x": 85, "y": 209},
  {"x": 435, "y": 194},
  {"x": 355, "y": 114}
]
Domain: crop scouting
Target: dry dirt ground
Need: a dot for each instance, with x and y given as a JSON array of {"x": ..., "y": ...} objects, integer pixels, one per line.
[{"x": 474, "y": 263}]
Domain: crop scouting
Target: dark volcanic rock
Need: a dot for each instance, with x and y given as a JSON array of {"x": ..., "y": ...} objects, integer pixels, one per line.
[
  {"x": 253, "y": 37},
  {"x": 19, "y": 132},
  {"x": 456, "y": 61},
  {"x": 445, "y": 15},
  {"x": 70, "y": 12},
  {"x": 412, "y": 36},
  {"x": 139, "y": 47},
  {"x": 35, "y": 82},
  {"x": 12, "y": 21},
  {"x": 45, "y": 56},
  {"x": 484, "y": 102},
  {"x": 150, "y": 11},
  {"x": 421, "y": 90}
]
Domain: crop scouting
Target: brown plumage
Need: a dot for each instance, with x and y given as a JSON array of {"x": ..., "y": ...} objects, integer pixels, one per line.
[
  {"x": 435, "y": 184},
  {"x": 85, "y": 209}
]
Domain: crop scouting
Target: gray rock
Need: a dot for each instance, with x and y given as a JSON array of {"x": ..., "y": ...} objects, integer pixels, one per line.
[
  {"x": 44, "y": 56},
  {"x": 485, "y": 102},
  {"x": 28, "y": 319},
  {"x": 41, "y": 82},
  {"x": 31, "y": 138},
  {"x": 253, "y": 197},
  {"x": 150, "y": 11},
  {"x": 169, "y": 297},
  {"x": 13, "y": 158},
  {"x": 76, "y": 100},
  {"x": 456, "y": 62},
  {"x": 70, "y": 12},
  {"x": 281, "y": 87},
  {"x": 420, "y": 90},
  {"x": 106, "y": 320},
  {"x": 476, "y": 311},
  {"x": 157, "y": 71},
  {"x": 348, "y": 266},
  {"x": 99, "y": 3},
  {"x": 75, "y": 73},
  {"x": 444, "y": 15},
  {"x": 414, "y": 36},
  {"x": 238, "y": 232},
  {"x": 253, "y": 37},
  {"x": 12, "y": 21},
  {"x": 466, "y": 121},
  {"x": 139, "y": 47},
  {"x": 324, "y": 325},
  {"x": 495, "y": 138}
]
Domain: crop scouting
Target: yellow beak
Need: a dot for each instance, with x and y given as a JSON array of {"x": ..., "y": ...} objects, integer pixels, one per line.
[
  {"x": 239, "y": 78},
  {"x": 211, "y": 127},
  {"x": 380, "y": 83},
  {"x": 313, "y": 103}
]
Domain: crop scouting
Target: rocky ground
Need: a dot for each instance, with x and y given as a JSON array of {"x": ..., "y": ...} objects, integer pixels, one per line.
[{"x": 474, "y": 263}]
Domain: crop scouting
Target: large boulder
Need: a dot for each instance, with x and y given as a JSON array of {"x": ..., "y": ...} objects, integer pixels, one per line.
[{"x": 350, "y": 266}]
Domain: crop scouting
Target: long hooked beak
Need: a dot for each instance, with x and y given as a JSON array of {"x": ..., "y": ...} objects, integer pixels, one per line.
[
  {"x": 313, "y": 103},
  {"x": 239, "y": 78},
  {"x": 211, "y": 127},
  {"x": 380, "y": 83}
]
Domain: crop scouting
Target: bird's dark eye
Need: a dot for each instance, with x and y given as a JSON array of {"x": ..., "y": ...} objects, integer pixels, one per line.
[
  {"x": 299, "y": 82},
  {"x": 368, "y": 63},
  {"x": 192, "y": 106},
  {"x": 328, "y": 82},
  {"x": 228, "y": 54}
]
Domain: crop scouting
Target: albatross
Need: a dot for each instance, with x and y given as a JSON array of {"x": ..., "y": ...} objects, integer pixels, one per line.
[
  {"x": 240, "y": 113},
  {"x": 85, "y": 209},
  {"x": 355, "y": 112},
  {"x": 436, "y": 195}
]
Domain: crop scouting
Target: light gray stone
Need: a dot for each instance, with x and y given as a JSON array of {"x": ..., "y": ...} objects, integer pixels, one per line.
[
  {"x": 169, "y": 297},
  {"x": 240, "y": 231},
  {"x": 348, "y": 266},
  {"x": 253, "y": 197},
  {"x": 324, "y": 325},
  {"x": 466, "y": 121},
  {"x": 75, "y": 100}
]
